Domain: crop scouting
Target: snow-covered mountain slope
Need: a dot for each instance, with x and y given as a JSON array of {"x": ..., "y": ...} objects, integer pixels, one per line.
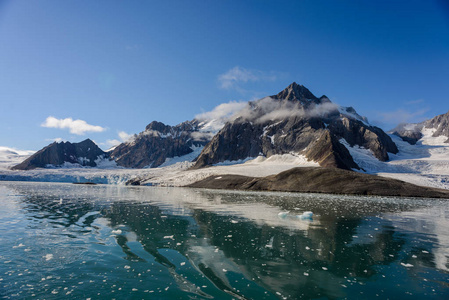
[
  {"x": 424, "y": 163},
  {"x": 10, "y": 157}
]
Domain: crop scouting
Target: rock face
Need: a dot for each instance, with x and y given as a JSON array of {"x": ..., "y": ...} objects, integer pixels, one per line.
[
  {"x": 411, "y": 133},
  {"x": 158, "y": 142},
  {"x": 296, "y": 121},
  {"x": 85, "y": 153}
]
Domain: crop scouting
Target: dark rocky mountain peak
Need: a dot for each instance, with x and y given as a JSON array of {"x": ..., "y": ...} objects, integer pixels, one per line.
[
  {"x": 85, "y": 153},
  {"x": 295, "y": 121},
  {"x": 296, "y": 92},
  {"x": 158, "y": 126}
]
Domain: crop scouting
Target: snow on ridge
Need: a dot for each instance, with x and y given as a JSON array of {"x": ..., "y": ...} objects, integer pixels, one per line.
[
  {"x": 425, "y": 164},
  {"x": 184, "y": 161},
  {"x": 351, "y": 113},
  {"x": 429, "y": 139}
]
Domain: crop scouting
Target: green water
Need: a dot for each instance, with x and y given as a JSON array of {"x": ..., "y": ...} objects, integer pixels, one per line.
[{"x": 63, "y": 241}]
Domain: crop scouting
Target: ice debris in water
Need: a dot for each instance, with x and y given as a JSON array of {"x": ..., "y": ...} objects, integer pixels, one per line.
[
  {"x": 283, "y": 215},
  {"x": 407, "y": 265},
  {"x": 307, "y": 215},
  {"x": 118, "y": 231}
]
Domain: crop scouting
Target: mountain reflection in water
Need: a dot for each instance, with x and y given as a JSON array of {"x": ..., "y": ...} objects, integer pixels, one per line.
[{"x": 133, "y": 242}]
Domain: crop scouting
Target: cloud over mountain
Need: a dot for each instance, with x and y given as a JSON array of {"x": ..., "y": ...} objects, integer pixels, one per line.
[{"x": 79, "y": 127}]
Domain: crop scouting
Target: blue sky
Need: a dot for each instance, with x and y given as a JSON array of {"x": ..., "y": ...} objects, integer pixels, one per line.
[{"x": 102, "y": 69}]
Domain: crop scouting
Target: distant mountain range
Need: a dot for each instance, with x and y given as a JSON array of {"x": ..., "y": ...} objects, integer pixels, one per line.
[
  {"x": 413, "y": 132},
  {"x": 292, "y": 121}
]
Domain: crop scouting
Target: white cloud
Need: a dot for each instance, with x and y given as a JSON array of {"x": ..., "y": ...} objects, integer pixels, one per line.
[
  {"x": 112, "y": 143},
  {"x": 124, "y": 137},
  {"x": 268, "y": 109},
  {"x": 224, "y": 110},
  {"x": 78, "y": 127},
  {"x": 237, "y": 75}
]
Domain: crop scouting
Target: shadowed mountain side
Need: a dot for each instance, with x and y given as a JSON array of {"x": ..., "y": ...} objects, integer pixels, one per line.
[
  {"x": 322, "y": 180},
  {"x": 85, "y": 153}
]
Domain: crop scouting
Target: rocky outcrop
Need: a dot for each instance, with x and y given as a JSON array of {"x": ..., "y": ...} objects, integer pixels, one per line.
[
  {"x": 85, "y": 153},
  {"x": 440, "y": 124},
  {"x": 296, "y": 121},
  {"x": 322, "y": 180},
  {"x": 412, "y": 133},
  {"x": 158, "y": 142}
]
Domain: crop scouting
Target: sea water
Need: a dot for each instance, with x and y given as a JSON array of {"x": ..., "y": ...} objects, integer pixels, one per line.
[{"x": 65, "y": 241}]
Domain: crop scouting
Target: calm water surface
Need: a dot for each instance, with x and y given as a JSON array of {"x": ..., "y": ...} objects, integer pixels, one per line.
[{"x": 105, "y": 242}]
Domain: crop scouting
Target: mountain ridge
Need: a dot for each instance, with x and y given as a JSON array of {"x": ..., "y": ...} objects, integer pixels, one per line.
[{"x": 85, "y": 153}]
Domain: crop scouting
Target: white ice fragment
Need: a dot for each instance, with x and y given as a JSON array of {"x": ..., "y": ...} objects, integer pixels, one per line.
[
  {"x": 169, "y": 237},
  {"x": 219, "y": 177},
  {"x": 183, "y": 263},
  {"x": 283, "y": 215},
  {"x": 234, "y": 221},
  {"x": 407, "y": 265},
  {"x": 48, "y": 257},
  {"x": 118, "y": 231},
  {"x": 127, "y": 267},
  {"x": 307, "y": 215},
  {"x": 306, "y": 274}
]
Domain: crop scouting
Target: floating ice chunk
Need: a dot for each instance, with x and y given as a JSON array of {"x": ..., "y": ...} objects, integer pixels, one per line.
[
  {"x": 48, "y": 257},
  {"x": 407, "y": 265},
  {"x": 307, "y": 215},
  {"x": 118, "y": 231},
  {"x": 283, "y": 215}
]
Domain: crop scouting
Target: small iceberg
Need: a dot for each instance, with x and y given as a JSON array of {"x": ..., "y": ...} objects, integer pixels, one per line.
[
  {"x": 283, "y": 215},
  {"x": 307, "y": 215}
]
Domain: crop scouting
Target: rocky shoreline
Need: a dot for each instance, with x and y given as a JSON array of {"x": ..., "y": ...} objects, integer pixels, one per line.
[{"x": 322, "y": 180}]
